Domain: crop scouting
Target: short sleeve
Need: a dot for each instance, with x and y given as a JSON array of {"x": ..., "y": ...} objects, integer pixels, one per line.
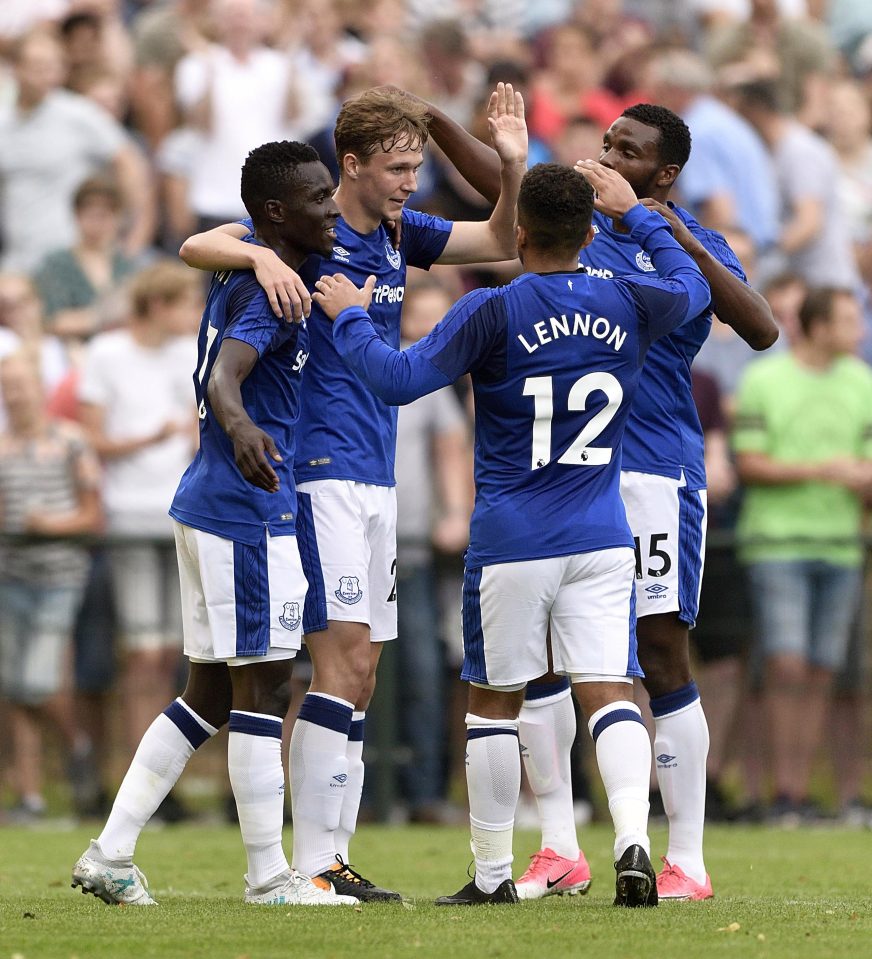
[
  {"x": 103, "y": 136},
  {"x": 191, "y": 80},
  {"x": 250, "y": 317},
  {"x": 717, "y": 245},
  {"x": 424, "y": 238}
]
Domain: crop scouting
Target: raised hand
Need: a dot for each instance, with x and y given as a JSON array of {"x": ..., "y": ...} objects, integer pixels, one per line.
[
  {"x": 614, "y": 196},
  {"x": 508, "y": 129},
  {"x": 336, "y": 293}
]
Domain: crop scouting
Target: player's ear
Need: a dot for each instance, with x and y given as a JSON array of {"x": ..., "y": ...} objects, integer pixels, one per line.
[
  {"x": 589, "y": 237},
  {"x": 275, "y": 211},
  {"x": 668, "y": 174},
  {"x": 351, "y": 166},
  {"x": 521, "y": 238}
]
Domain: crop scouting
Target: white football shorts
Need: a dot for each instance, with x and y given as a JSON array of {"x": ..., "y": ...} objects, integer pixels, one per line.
[
  {"x": 587, "y": 599},
  {"x": 240, "y": 604},
  {"x": 348, "y": 542},
  {"x": 668, "y": 522}
]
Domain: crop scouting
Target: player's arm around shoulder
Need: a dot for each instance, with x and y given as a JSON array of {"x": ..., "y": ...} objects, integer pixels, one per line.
[
  {"x": 494, "y": 240},
  {"x": 733, "y": 300},
  {"x": 222, "y": 248}
]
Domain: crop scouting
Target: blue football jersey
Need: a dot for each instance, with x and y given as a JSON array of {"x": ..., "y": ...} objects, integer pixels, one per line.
[
  {"x": 212, "y": 494},
  {"x": 345, "y": 431},
  {"x": 663, "y": 434},
  {"x": 555, "y": 360}
]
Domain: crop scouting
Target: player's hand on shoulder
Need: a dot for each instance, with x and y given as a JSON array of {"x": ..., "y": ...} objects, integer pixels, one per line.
[
  {"x": 508, "y": 128},
  {"x": 337, "y": 293},
  {"x": 614, "y": 196},
  {"x": 286, "y": 292},
  {"x": 252, "y": 449},
  {"x": 682, "y": 235}
]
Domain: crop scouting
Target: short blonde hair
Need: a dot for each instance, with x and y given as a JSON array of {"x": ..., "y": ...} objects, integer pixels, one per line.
[{"x": 380, "y": 120}]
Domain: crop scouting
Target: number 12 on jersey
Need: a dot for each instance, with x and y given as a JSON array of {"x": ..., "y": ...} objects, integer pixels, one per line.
[{"x": 580, "y": 452}]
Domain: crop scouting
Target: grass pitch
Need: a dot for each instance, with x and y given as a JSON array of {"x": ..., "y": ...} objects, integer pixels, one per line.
[{"x": 778, "y": 894}]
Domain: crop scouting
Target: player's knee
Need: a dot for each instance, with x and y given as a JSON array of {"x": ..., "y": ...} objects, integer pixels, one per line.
[
  {"x": 209, "y": 692},
  {"x": 263, "y": 688},
  {"x": 341, "y": 659},
  {"x": 664, "y": 655},
  {"x": 366, "y": 693},
  {"x": 664, "y": 670}
]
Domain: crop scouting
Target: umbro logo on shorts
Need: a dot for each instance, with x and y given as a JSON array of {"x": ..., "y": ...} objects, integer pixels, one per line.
[{"x": 656, "y": 589}]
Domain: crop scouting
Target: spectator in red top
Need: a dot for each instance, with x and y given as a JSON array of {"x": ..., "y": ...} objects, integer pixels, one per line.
[{"x": 570, "y": 84}]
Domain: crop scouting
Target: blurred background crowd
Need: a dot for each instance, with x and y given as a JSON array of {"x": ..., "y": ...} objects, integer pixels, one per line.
[{"x": 123, "y": 127}]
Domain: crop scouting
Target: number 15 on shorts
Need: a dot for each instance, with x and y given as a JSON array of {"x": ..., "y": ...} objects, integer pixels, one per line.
[{"x": 655, "y": 561}]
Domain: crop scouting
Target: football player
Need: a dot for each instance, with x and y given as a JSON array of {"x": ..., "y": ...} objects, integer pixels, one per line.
[
  {"x": 242, "y": 581},
  {"x": 555, "y": 359},
  {"x": 663, "y": 485}
]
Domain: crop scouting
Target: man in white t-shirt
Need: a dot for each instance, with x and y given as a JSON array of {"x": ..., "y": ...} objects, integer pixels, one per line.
[
  {"x": 236, "y": 92},
  {"x": 135, "y": 396}
]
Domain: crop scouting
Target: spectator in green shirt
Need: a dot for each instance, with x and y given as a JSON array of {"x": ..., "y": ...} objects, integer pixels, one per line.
[
  {"x": 803, "y": 439},
  {"x": 78, "y": 284}
]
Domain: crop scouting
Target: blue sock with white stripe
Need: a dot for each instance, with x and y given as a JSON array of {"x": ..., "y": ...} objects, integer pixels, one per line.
[
  {"x": 162, "y": 754},
  {"x": 257, "y": 777},
  {"x": 319, "y": 775},
  {"x": 681, "y": 743},
  {"x": 623, "y": 754},
  {"x": 547, "y": 731},
  {"x": 493, "y": 779}
]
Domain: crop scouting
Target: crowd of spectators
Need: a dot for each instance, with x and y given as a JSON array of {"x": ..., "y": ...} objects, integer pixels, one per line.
[{"x": 123, "y": 127}]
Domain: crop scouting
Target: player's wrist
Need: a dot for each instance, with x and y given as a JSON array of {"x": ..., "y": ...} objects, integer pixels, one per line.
[
  {"x": 260, "y": 255},
  {"x": 634, "y": 214},
  {"x": 352, "y": 312}
]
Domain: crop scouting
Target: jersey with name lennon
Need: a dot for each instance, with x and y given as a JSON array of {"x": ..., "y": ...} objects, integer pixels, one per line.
[
  {"x": 663, "y": 434},
  {"x": 212, "y": 494},
  {"x": 555, "y": 361}
]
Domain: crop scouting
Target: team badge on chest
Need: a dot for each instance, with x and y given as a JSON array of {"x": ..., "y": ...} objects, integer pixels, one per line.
[{"x": 393, "y": 255}]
